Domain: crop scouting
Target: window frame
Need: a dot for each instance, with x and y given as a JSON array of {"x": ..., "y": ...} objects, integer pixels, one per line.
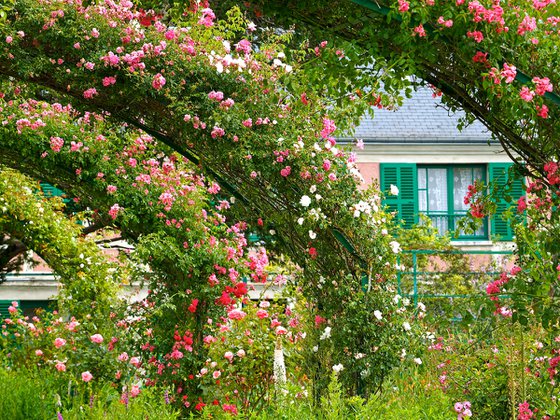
[{"x": 451, "y": 213}]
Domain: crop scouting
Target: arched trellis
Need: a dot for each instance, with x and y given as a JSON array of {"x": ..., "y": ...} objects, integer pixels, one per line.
[
  {"x": 375, "y": 31},
  {"x": 154, "y": 114},
  {"x": 89, "y": 280},
  {"x": 284, "y": 163}
]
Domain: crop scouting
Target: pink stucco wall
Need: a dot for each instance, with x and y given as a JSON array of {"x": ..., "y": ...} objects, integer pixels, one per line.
[{"x": 369, "y": 170}]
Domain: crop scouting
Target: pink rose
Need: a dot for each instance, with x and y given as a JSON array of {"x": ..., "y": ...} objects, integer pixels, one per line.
[
  {"x": 96, "y": 338},
  {"x": 134, "y": 391},
  {"x": 61, "y": 367},
  {"x": 86, "y": 376},
  {"x": 261, "y": 314},
  {"x": 158, "y": 81},
  {"x": 281, "y": 331},
  {"x": 236, "y": 314},
  {"x": 59, "y": 342}
]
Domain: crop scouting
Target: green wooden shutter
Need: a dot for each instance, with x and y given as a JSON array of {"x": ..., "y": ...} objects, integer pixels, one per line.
[
  {"x": 499, "y": 174},
  {"x": 4, "y": 305},
  {"x": 51, "y": 191},
  {"x": 404, "y": 177}
]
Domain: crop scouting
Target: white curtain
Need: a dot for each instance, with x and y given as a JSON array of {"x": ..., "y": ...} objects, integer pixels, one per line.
[{"x": 434, "y": 199}]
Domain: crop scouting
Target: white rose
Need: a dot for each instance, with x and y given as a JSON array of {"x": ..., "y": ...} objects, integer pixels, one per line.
[
  {"x": 305, "y": 201},
  {"x": 394, "y": 190},
  {"x": 395, "y": 246},
  {"x": 338, "y": 368},
  {"x": 326, "y": 334},
  {"x": 378, "y": 314},
  {"x": 300, "y": 221}
]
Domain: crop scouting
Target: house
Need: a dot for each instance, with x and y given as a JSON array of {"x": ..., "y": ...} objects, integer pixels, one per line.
[{"x": 419, "y": 149}]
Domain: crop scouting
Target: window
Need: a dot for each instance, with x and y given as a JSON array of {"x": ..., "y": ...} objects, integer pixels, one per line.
[
  {"x": 438, "y": 191},
  {"x": 441, "y": 192}
]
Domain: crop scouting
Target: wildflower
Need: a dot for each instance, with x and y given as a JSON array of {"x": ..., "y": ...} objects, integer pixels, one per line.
[
  {"x": 403, "y": 6},
  {"x": 420, "y": 30},
  {"x": 281, "y": 330},
  {"x": 463, "y": 409},
  {"x": 406, "y": 326},
  {"x": 542, "y": 85},
  {"x": 328, "y": 128},
  {"x": 509, "y": 72},
  {"x": 90, "y": 93},
  {"x": 542, "y": 111},
  {"x": 56, "y": 144},
  {"x": 476, "y": 35}
]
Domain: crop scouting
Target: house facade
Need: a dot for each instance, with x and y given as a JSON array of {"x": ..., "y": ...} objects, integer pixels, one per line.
[{"x": 419, "y": 149}]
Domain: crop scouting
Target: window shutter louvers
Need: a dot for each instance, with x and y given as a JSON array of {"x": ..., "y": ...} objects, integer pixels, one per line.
[
  {"x": 4, "y": 305},
  {"x": 500, "y": 175},
  {"x": 50, "y": 190},
  {"x": 404, "y": 177}
]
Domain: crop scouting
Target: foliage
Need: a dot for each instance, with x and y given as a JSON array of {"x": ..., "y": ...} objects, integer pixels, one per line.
[
  {"x": 497, "y": 368},
  {"x": 35, "y": 395},
  {"x": 90, "y": 280}
]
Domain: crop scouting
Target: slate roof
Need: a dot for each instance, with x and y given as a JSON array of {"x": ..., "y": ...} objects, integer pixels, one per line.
[{"x": 419, "y": 120}]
